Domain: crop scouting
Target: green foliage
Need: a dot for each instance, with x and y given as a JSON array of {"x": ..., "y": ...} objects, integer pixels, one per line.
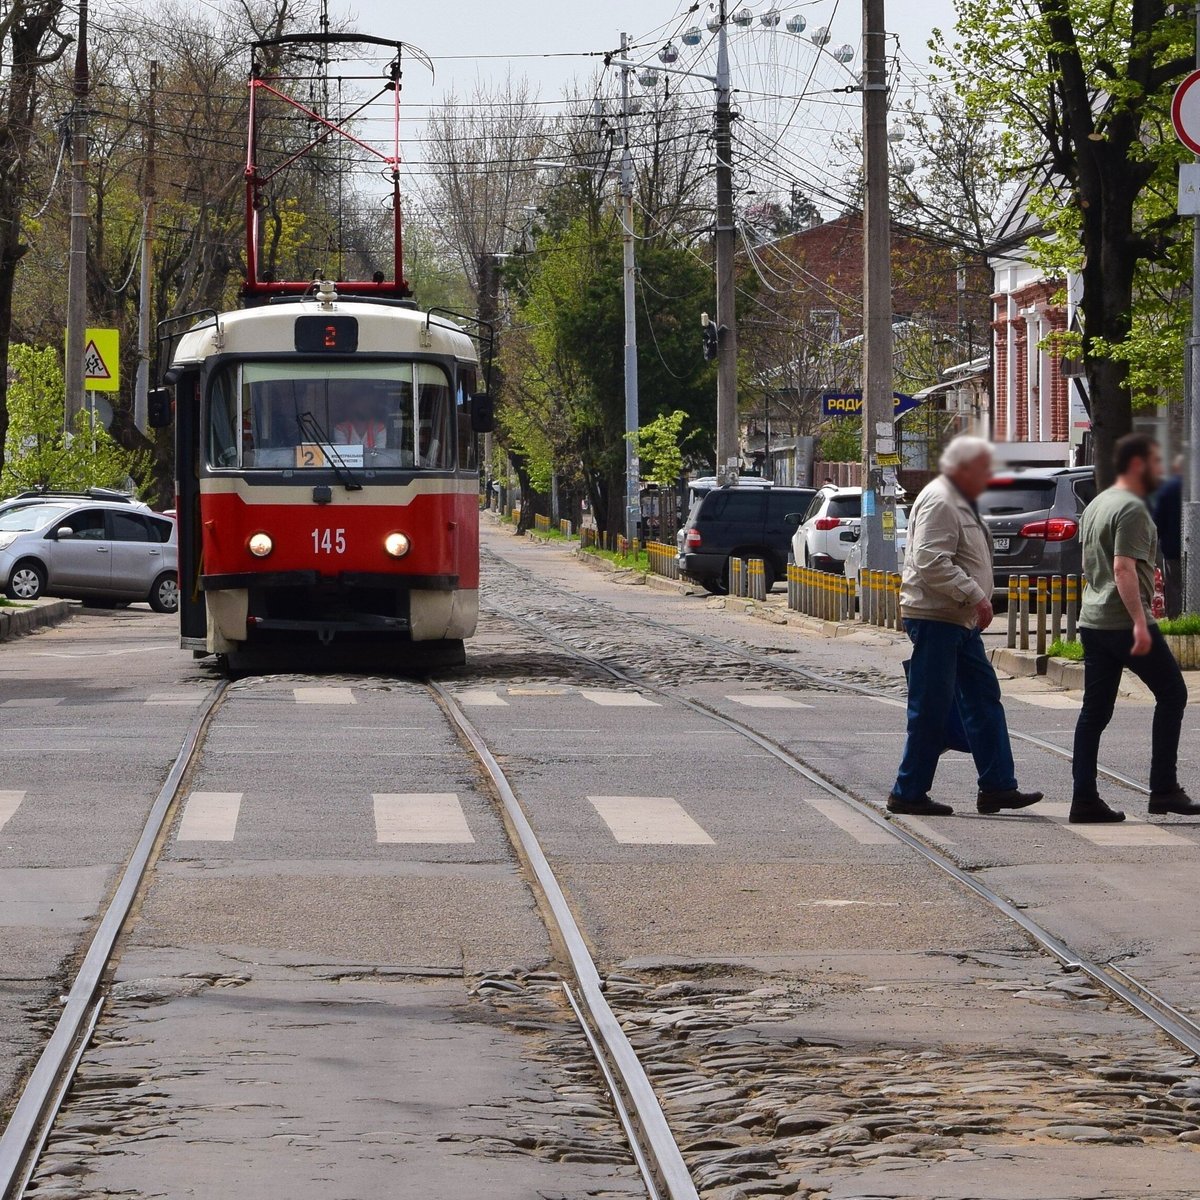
[
  {"x": 1188, "y": 624},
  {"x": 37, "y": 454},
  {"x": 1061, "y": 648},
  {"x": 841, "y": 441},
  {"x": 660, "y": 448}
]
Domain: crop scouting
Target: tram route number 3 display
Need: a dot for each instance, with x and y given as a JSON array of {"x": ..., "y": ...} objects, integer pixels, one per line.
[{"x": 329, "y": 541}]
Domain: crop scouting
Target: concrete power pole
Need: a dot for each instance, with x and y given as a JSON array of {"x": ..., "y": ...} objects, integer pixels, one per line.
[
  {"x": 77, "y": 263},
  {"x": 728, "y": 430},
  {"x": 633, "y": 468},
  {"x": 141, "y": 392},
  {"x": 878, "y": 411}
]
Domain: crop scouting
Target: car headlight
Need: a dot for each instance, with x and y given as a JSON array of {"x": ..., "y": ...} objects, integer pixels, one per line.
[
  {"x": 260, "y": 545},
  {"x": 7, "y": 539},
  {"x": 397, "y": 544}
]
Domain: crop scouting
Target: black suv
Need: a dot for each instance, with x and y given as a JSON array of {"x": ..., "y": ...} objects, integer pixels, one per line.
[
  {"x": 1033, "y": 517},
  {"x": 733, "y": 522}
]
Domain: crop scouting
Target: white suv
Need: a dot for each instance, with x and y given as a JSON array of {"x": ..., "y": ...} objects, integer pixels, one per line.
[{"x": 829, "y": 529}]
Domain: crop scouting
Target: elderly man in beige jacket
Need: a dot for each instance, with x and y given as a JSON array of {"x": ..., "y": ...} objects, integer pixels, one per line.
[{"x": 945, "y": 600}]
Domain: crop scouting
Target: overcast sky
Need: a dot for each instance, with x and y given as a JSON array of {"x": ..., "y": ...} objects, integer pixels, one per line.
[{"x": 488, "y": 32}]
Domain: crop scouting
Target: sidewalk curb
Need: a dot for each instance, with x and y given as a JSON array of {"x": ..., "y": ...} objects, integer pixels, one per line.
[
  {"x": 15, "y": 622},
  {"x": 1019, "y": 663},
  {"x": 1065, "y": 673}
]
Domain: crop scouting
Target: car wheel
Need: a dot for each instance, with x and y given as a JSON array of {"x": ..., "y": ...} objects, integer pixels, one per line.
[
  {"x": 714, "y": 587},
  {"x": 27, "y": 581},
  {"x": 164, "y": 595}
]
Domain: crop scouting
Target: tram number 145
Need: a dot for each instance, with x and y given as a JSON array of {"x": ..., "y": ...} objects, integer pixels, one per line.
[{"x": 329, "y": 541}]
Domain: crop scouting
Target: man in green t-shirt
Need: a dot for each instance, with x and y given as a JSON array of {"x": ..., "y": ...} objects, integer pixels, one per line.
[{"x": 1118, "y": 630}]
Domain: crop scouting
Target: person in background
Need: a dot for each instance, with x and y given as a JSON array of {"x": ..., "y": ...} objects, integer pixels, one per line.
[
  {"x": 945, "y": 600},
  {"x": 1118, "y": 630},
  {"x": 1168, "y": 518}
]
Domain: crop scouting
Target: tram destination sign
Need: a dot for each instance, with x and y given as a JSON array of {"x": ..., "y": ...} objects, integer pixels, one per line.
[{"x": 849, "y": 404}]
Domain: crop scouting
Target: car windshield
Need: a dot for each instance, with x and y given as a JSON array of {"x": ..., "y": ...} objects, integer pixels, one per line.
[
  {"x": 1005, "y": 498},
  {"x": 316, "y": 415},
  {"x": 32, "y": 516}
]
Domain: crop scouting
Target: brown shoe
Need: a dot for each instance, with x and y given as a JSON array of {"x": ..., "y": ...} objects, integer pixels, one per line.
[
  {"x": 990, "y": 803},
  {"x": 1177, "y": 802},
  {"x": 1093, "y": 812}
]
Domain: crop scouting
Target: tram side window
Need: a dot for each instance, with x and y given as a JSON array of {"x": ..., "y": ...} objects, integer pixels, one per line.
[
  {"x": 433, "y": 417},
  {"x": 466, "y": 436}
]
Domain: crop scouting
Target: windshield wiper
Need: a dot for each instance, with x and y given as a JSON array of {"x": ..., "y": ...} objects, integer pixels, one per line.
[{"x": 312, "y": 428}]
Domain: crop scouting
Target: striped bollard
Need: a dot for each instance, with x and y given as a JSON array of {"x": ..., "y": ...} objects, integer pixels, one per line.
[
  {"x": 1072, "y": 605},
  {"x": 1023, "y": 586},
  {"x": 1042, "y": 595},
  {"x": 1013, "y": 603},
  {"x": 1056, "y": 599}
]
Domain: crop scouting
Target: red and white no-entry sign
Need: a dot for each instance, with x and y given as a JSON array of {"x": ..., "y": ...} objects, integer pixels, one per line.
[{"x": 1185, "y": 112}]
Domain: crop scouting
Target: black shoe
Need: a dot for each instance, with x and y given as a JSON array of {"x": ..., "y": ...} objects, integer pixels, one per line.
[
  {"x": 994, "y": 802},
  {"x": 918, "y": 808},
  {"x": 1177, "y": 802},
  {"x": 1093, "y": 812}
]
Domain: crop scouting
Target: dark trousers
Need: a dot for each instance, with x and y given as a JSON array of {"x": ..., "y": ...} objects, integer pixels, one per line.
[
  {"x": 950, "y": 667},
  {"x": 1105, "y": 656},
  {"x": 1172, "y": 570}
]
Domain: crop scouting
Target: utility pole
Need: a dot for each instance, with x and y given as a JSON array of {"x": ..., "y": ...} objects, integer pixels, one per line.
[
  {"x": 141, "y": 391},
  {"x": 878, "y": 410},
  {"x": 724, "y": 240},
  {"x": 632, "y": 465},
  {"x": 77, "y": 263},
  {"x": 1191, "y": 431}
]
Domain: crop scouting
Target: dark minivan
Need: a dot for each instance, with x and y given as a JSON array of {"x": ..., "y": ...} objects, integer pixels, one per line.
[
  {"x": 1033, "y": 517},
  {"x": 740, "y": 523}
]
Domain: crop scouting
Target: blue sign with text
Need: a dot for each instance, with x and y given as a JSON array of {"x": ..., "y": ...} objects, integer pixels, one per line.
[{"x": 849, "y": 404}]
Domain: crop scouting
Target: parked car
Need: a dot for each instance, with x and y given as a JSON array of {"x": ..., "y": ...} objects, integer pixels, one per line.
[
  {"x": 853, "y": 564},
  {"x": 107, "y": 552},
  {"x": 48, "y": 496},
  {"x": 740, "y": 522},
  {"x": 1033, "y": 517},
  {"x": 820, "y": 539}
]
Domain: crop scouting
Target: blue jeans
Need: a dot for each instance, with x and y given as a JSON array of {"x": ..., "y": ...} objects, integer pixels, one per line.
[{"x": 949, "y": 667}]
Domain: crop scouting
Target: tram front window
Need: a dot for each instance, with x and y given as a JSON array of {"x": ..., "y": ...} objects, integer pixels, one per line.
[{"x": 288, "y": 416}]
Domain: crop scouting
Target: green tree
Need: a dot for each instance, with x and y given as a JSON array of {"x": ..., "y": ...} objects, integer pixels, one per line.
[
  {"x": 660, "y": 448},
  {"x": 1084, "y": 87},
  {"x": 38, "y": 453}
]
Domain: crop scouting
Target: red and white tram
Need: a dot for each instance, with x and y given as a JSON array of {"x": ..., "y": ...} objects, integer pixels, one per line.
[{"x": 327, "y": 485}]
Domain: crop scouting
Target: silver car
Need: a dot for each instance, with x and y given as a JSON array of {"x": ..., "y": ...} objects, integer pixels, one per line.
[{"x": 91, "y": 551}]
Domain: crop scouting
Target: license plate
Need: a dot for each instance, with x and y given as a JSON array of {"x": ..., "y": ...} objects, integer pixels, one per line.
[{"x": 1000, "y": 543}]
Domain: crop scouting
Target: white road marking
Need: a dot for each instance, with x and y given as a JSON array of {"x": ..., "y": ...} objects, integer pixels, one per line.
[
  {"x": 537, "y": 691},
  {"x": 324, "y": 695},
  {"x": 1133, "y": 831},
  {"x": 175, "y": 697},
  {"x": 607, "y": 698},
  {"x": 925, "y": 830},
  {"x": 9, "y": 803},
  {"x": 863, "y": 831},
  {"x": 210, "y": 817},
  {"x": 890, "y": 702},
  {"x": 480, "y": 698},
  {"x": 649, "y": 821},
  {"x": 766, "y": 700},
  {"x": 107, "y": 653},
  {"x": 420, "y": 817},
  {"x": 33, "y": 702},
  {"x": 1045, "y": 699}
]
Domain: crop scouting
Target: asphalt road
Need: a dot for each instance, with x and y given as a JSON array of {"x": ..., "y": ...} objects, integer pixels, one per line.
[{"x": 338, "y": 982}]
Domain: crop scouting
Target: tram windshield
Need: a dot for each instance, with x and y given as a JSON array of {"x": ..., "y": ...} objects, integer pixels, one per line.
[{"x": 288, "y": 416}]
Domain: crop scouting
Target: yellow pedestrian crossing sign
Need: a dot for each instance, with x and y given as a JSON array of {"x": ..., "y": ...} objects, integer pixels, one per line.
[{"x": 102, "y": 360}]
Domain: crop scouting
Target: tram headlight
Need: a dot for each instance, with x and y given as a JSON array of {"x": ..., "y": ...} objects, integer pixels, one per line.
[
  {"x": 397, "y": 544},
  {"x": 260, "y": 545}
]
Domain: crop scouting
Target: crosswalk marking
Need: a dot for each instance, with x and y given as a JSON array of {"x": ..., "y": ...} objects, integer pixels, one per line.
[
  {"x": 862, "y": 830},
  {"x": 210, "y": 817},
  {"x": 9, "y": 803},
  {"x": 766, "y": 700},
  {"x": 607, "y": 698},
  {"x": 649, "y": 821},
  {"x": 32, "y": 702},
  {"x": 1046, "y": 699},
  {"x": 1130, "y": 832},
  {"x": 926, "y": 831},
  {"x": 889, "y": 701},
  {"x": 324, "y": 695},
  {"x": 175, "y": 697},
  {"x": 480, "y": 698},
  {"x": 420, "y": 817}
]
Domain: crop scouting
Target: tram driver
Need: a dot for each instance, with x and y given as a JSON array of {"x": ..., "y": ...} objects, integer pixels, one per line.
[{"x": 359, "y": 424}]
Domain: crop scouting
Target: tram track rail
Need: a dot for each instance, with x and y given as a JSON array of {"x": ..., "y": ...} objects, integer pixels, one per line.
[
  {"x": 651, "y": 1143},
  {"x": 1179, "y": 1027}
]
